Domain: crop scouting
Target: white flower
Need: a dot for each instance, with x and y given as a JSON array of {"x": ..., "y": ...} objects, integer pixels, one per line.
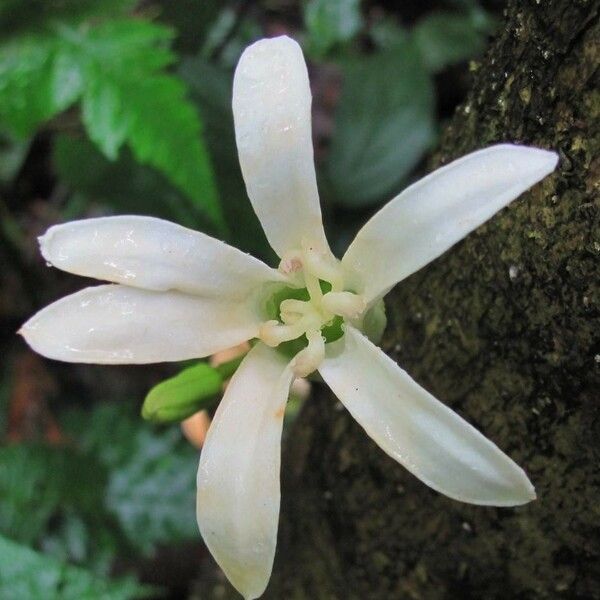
[{"x": 181, "y": 294}]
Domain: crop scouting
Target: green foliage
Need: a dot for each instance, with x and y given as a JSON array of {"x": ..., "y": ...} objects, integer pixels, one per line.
[
  {"x": 118, "y": 486},
  {"x": 115, "y": 68},
  {"x": 385, "y": 120},
  {"x": 384, "y": 123},
  {"x": 30, "y": 91},
  {"x": 329, "y": 23},
  {"x": 446, "y": 38},
  {"x": 179, "y": 397},
  {"x": 52, "y": 498},
  {"x": 28, "y": 574},
  {"x": 151, "y": 487}
]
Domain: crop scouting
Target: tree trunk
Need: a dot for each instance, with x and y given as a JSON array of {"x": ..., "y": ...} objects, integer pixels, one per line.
[{"x": 504, "y": 329}]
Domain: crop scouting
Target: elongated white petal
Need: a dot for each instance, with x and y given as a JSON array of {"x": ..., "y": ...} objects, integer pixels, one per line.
[
  {"x": 271, "y": 110},
  {"x": 238, "y": 476},
  {"x": 153, "y": 254},
  {"x": 115, "y": 324},
  {"x": 436, "y": 212},
  {"x": 418, "y": 431}
]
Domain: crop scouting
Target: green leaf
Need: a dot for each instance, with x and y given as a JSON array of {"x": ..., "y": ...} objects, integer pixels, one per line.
[
  {"x": 329, "y": 23},
  {"x": 30, "y": 93},
  {"x": 116, "y": 68},
  {"x": 179, "y": 397},
  {"x": 47, "y": 493},
  {"x": 151, "y": 482},
  {"x": 28, "y": 574},
  {"x": 127, "y": 98},
  {"x": 447, "y": 38},
  {"x": 386, "y": 34},
  {"x": 384, "y": 123},
  {"x": 120, "y": 485}
]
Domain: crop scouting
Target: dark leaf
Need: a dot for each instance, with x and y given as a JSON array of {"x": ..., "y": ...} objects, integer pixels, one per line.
[
  {"x": 27, "y": 574},
  {"x": 330, "y": 22},
  {"x": 384, "y": 124},
  {"x": 446, "y": 38}
]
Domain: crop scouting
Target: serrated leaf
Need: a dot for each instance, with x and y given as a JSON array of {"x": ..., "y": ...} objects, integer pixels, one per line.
[
  {"x": 28, "y": 94},
  {"x": 179, "y": 397},
  {"x": 384, "y": 123},
  {"x": 330, "y": 22},
  {"x": 116, "y": 67},
  {"x": 103, "y": 116},
  {"x": 446, "y": 38},
  {"x": 129, "y": 99},
  {"x": 28, "y": 574}
]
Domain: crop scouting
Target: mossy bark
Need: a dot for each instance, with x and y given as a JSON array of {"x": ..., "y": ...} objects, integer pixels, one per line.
[{"x": 504, "y": 329}]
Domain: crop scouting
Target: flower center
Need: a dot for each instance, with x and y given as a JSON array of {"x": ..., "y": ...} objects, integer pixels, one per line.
[{"x": 315, "y": 310}]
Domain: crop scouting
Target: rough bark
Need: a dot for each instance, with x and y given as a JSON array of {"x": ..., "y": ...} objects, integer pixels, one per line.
[{"x": 504, "y": 329}]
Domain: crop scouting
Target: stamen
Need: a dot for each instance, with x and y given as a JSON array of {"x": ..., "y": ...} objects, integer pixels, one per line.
[
  {"x": 293, "y": 305},
  {"x": 289, "y": 318},
  {"x": 321, "y": 264},
  {"x": 274, "y": 333},
  {"x": 345, "y": 304},
  {"x": 309, "y": 359},
  {"x": 292, "y": 310}
]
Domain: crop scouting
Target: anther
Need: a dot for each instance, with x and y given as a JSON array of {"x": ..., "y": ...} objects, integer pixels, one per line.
[
  {"x": 345, "y": 304},
  {"x": 309, "y": 359},
  {"x": 292, "y": 310},
  {"x": 274, "y": 333}
]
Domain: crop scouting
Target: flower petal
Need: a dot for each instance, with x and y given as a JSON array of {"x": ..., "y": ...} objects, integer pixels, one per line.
[
  {"x": 436, "y": 212},
  {"x": 418, "y": 431},
  {"x": 153, "y": 254},
  {"x": 115, "y": 324},
  {"x": 271, "y": 110},
  {"x": 238, "y": 476}
]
